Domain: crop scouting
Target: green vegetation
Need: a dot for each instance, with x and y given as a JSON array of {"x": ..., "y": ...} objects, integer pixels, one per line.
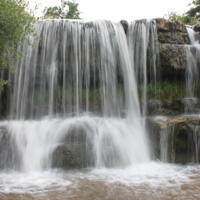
[
  {"x": 173, "y": 16},
  {"x": 94, "y": 95},
  {"x": 15, "y": 24},
  {"x": 165, "y": 90},
  {"x": 194, "y": 12},
  {"x": 162, "y": 90},
  {"x": 191, "y": 17},
  {"x": 67, "y": 10}
]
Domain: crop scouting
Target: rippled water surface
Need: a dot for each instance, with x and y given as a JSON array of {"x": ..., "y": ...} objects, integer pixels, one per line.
[{"x": 146, "y": 181}]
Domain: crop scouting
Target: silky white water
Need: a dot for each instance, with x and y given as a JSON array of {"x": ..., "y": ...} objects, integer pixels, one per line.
[
  {"x": 80, "y": 78},
  {"x": 192, "y": 56},
  {"x": 75, "y": 92},
  {"x": 142, "y": 35},
  {"x": 111, "y": 142}
]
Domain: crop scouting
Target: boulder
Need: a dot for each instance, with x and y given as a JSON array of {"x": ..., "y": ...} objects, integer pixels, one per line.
[
  {"x": 69, "y": 156},
  {"x": 75, "y": 149},
  {"x": 196, "y": 28},
  {"x": 172, "y": 57},
  {"x": 171, "y": 32},
  {"x": 173, "y": 60}
]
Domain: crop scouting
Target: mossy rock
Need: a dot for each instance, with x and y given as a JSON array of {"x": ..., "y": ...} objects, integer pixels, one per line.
[{"x": 68, "y": 156}]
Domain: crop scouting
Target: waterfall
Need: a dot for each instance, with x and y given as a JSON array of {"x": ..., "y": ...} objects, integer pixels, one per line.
[
  {"x": 75, "y": 128},
  {"x": 192, "y": 57},
  {"x": 195, "y": 145},
  {"x": 167, "y": 153},
  {"x": 71, "y": 59},
  {"x": 143, "y": 41},
  {"x": 75, "y": 91}
]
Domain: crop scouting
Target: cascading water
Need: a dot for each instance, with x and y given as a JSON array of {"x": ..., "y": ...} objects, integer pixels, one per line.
[
  {"x": 74, "y": 103},
  {"x": 192, "y": 73},
  {"x": 166, "y": 145},
  {"x": 69, "y": 61},
  {"x": 72, "y": 61},
  {"x": 143, "y": 43}
]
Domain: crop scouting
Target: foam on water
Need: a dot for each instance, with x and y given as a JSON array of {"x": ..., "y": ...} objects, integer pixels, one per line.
[
  {"x": 33, "y": 182},
  {"x": 110, "y": 142},
  {"x": 154, "y": 176}
]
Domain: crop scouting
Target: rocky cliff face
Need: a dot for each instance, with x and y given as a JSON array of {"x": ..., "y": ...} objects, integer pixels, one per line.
[
  {"x": 175, "y": 139},
  {"x": 172, "y": 37},
  {"x": 171, "y": 32}
]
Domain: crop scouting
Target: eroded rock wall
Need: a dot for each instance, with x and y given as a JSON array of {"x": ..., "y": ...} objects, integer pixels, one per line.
[
  {"x": 172, "y": 38},
  {"x": 175, "y": 139}
]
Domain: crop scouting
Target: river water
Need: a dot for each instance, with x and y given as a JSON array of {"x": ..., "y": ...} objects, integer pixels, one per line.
[{"x": 154, "y": 180}]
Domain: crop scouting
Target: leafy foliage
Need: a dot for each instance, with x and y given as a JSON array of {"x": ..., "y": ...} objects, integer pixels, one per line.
[
  {"x": 194, "y": 11},
  {"x": 173, "y": 16},
  {"x": 15, "y": 24},
  {"x": 190, "y": 17},
  {"x": 67, "y": 10},
  {"x": 164, "y": 90}
]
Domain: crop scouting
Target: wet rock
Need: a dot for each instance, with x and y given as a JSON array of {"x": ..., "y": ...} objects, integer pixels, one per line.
[
  {"x": 173, "y": 56},
  {"x": 9, "y": 156},
  {"x": 153, "y": 106},
  {"x": 191, "y": 105},
  {"x": 173, "y": 38},
  {"x": 196, "y": 28},
  {"x": 175, "y": 139},
  {"x": 125, "y": 25},
  {"x": 75, "y": 151},
  {"x": 164, "y": 25},
  {"x": 171, "y": 32},
  {"x": 69, "y": 156},
  {"x": 76, "y": 134},
  {"x": 165, "y": 107},
  {"x": 173, "y": 61},
  {"x": 173, "y": 107},
  {"x": 153, "y": 129}
]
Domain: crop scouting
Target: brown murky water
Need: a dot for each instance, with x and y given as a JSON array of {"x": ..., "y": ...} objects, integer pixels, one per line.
[
  {"x": 95, "y": 190},
  {"x": 163, "y": 182}
]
